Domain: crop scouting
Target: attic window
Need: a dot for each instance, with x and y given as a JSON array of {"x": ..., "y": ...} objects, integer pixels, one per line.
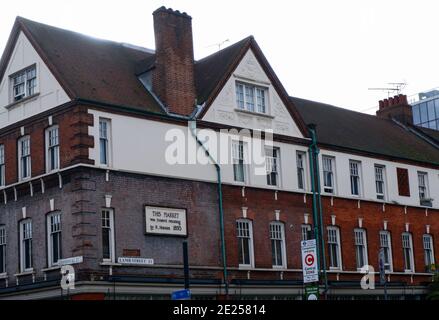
[
  {"x": 251, "y": 98},
  {"x": 24, "y": 83}
]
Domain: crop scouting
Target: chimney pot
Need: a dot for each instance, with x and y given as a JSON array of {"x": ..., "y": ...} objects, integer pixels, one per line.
[{"x": 396, "y": 107}]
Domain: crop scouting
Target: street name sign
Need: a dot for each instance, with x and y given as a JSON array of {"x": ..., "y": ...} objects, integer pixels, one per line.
[{"x": 181, "y": 295}]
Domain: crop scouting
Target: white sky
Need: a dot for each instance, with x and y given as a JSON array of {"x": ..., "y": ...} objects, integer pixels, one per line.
[{"x": 329, "y": 51}]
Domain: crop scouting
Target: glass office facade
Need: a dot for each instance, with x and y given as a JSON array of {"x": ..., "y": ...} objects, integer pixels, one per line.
[{"x": 426, "y": 113}]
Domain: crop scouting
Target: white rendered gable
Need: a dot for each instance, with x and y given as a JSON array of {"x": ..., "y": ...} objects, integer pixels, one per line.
[
  {"x": 224, "y": 109},
  {"x": 49, "y": 92}
]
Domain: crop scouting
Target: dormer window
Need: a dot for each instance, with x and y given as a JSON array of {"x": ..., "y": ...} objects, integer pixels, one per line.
[
  {"x": 24, "y": 83},
  {"x": 251, "y": 98}
]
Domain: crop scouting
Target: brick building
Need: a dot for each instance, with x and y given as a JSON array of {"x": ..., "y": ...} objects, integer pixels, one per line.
[{"x": 86, "y": 126}]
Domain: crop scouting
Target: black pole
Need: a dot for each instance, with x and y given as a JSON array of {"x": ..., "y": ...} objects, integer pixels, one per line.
[
  {"x": 186, "y": 265},
  {"x": 385, "y": 290}
]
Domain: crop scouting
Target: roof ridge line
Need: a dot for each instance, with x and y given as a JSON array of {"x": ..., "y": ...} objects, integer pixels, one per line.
[
  {"x": 249, "y": 38},
  {"x": 342, "y": 108}
]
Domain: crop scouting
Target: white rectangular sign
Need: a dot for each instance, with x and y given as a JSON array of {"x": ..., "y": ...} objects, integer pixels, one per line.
[
  {"x": 68, "y": 261},
  {"x": 135, "y": 261},
  {"x": 309, "y": 261},
  {"x": 165, "y": 221}
]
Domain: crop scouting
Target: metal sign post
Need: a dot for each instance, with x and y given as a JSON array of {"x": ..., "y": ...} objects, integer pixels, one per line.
[{"x": 382, "y": 265}]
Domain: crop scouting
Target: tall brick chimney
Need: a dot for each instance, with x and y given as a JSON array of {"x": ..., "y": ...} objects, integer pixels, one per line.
[
  {"x": 173, "y": 77},
  {"x": 397, "y": 108}
]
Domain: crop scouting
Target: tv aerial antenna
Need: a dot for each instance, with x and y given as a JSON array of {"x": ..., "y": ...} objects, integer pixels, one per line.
[
  {"x": 219, "y": 44},
  {"x": 392, "y": 89}
]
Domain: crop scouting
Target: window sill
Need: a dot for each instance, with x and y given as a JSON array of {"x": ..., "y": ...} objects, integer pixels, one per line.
[
  {"x": 3, "y": 275},
  {"x": 280, "y": 268},
  {"x": 25, "y": 273},
  {"x": 52, "y": 171},
  {"x": 245, "y": 268},
  {"x": 26, "y": 99},
  {"x": 254, "y": 113},
  {"x": 53, "y": 268},
  {"x": 335, "y": 269},
  {"x": 272, "y": 187},
  {"x": 110, "y": 264}
]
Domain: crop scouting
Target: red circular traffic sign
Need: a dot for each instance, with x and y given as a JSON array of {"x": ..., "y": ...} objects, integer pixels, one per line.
[{"x": 309, "y": 259}]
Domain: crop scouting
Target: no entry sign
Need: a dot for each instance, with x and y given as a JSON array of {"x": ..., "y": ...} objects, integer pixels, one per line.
[{"x": 309, "y": 261}]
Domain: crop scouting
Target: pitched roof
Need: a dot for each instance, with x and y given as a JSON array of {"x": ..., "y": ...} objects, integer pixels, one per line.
[
  {"x": 92, "y": 69},
  {"x": 430, "y": 133},
  {"x": 353, "y": 130},
  {"x": 213, "y": 72},
  {"x": 210, "y": 70},
  {"x": 106, "y": 71}
]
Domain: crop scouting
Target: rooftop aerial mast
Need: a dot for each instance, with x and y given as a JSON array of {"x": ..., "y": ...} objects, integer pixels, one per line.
[{"x": 393, "y": 89}]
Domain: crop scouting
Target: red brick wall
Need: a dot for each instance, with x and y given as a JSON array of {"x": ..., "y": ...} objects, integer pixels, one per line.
[
  {"x": 261, "y": 206},
  {"x": 261, "y": 210},
  {"x": 73, "y": 136}
]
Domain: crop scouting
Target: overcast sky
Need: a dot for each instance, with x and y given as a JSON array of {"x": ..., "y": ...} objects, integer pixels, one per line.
[{"x": 329, "y": 51}]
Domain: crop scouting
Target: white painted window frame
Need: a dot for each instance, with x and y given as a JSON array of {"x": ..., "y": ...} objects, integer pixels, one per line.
[
  {"x": 389, "y": 246},
  {"x": 355, "y": 172},
  {"x": 3, "y": 243},
  {"x": 23, "y": 269},
  {"x": 52, "y": 144},
  {"x": 2, "y": 166},
  {"x": 234, "y": 145},
  {"x": 50, "y": 238},
  {"x": 283, "y": 250},
  {"x": 331, "y": 160},
  {"x": 305, "y": 229},
  {"x": 301, "y": 169},
  {"x": 380, "y": 196},
  {"x": 112, "y": 241},
  {"x": 361, "y": 240},
  {"x": 269, "y": 160},
  {"x": 254, "y": 88},
  {"x": 23, "y": 73},
  {"x": 423, "y": 183},
  {"x": 338, "y": 242},
  {"x": 108, "y": 141},
  {"x": 428, "y": 246},
  {"x": 411, "y": 254},
  {"x": 251, "y": 244},
  {"x": 21, "y": 156}
]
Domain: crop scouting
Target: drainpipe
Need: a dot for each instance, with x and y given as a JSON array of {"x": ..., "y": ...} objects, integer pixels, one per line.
[
  {"x": 193, "y": 128},
  {"x": 317, "y": 203}
]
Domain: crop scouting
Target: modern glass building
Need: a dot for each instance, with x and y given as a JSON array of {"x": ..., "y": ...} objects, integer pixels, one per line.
[{"x": 426, "y": 109}]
